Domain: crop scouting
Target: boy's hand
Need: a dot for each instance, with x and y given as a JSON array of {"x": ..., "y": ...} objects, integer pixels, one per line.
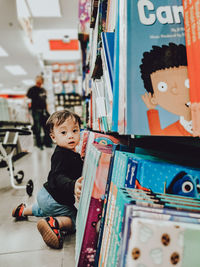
[{"x": 78, "y": 188}]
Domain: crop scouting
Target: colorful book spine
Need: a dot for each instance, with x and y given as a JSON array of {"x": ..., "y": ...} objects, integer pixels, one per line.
[
  {"x": 89, "y": 170},
  {"x": 122, "y": 198},
  {"x": 108, "y": 44},
  {"x": 95, "y": 206},
  {"x": 113, "y": 165},
  {"x": 108, "y": 225}
]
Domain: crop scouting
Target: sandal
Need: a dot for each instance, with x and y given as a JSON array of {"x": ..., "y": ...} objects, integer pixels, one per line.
[
  {"x": 18, "y": 212},
  {"x": 50, "y": 232}
]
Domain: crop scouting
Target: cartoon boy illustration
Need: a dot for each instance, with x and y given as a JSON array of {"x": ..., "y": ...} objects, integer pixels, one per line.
[{"x": 165, "y": 77}]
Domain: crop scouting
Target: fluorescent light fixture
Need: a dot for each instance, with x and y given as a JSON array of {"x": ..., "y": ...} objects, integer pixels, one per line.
[
  {"x": 3, "y": 53},
  {"x": 15, "y": 69},
  {"x": 22, "y": 9},
  {"x": 28, "y": 82},
  {"x": 1, "y": 84},
  {"x": 44, "y": 8}
]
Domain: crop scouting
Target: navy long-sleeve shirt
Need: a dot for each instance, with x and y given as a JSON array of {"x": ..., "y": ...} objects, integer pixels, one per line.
[{"x": 66, "y": 168}]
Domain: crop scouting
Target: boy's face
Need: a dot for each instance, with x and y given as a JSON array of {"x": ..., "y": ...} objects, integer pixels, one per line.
[
  {"x": 171, "y": 90},
  {"x": 66, "y": 135}
]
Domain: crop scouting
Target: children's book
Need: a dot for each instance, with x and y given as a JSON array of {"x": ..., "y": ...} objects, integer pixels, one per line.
[
  {"x": 166, "y": 177},
  {"x": 157, "y": 89},
  {"x": 167, "y": 243},
  {"x": 192, "y": 30},
  {"x": 115, "y": 148},
  {"x": 89, "y": 171},
  {"x": 108, "y": 46},
  {"x": 91, "y": 163},
  {"x": 95, "y": 195},
  {"x": 133, "y": 211},
  {"x": 116, "y": 233}
]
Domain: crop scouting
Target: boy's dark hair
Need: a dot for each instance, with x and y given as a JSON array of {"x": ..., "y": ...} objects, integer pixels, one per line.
[
  {"x": 159, "y": 58},
  {"x": 58, "y": 117}
]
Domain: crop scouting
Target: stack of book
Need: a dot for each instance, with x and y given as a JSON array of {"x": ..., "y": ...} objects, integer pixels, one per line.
[
  {"x": 140, "y": 47},
  {"x": 95, "y": 173}
]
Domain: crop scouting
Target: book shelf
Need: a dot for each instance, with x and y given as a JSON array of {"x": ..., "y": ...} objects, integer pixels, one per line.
[{"x": 130, "y": 42}]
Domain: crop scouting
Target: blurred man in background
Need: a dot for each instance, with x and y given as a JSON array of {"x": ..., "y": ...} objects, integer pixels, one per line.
[{"x": 40, "y": 113}]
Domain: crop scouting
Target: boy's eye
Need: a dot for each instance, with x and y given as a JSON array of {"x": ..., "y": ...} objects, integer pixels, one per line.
[
  {"x": 75, "y": 130},
  {"x": 63, "y": 132},
  {"x": 187, "y": 83},
  {"x": 162, "y": 87}
]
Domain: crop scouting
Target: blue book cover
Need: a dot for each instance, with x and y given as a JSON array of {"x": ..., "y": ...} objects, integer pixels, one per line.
[
  {"x": 158, "y": 101},
  {"x": 165, "y": 177},
  {"x": 121, "y": 176},
  {"x": 131, "y": 173},
  {"x": 108, "y": 44}
]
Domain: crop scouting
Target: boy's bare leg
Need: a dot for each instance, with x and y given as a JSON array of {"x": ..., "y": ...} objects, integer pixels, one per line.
[
  {"x": 28, "y": 211},
  {"x": 64, "y": 222}
]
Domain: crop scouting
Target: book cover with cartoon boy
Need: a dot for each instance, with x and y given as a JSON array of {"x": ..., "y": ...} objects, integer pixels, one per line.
[{"x": 158, "y": 101}]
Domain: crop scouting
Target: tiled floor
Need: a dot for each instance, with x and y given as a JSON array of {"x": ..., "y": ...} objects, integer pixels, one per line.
[{"x": 20, "y": 242}]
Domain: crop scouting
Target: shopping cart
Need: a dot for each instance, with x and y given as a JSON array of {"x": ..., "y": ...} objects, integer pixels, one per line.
[{"x": 8, "y": 145}]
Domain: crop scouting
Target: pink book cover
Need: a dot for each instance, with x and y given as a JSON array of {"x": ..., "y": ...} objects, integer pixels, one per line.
[{"x": 89, "y": 243}]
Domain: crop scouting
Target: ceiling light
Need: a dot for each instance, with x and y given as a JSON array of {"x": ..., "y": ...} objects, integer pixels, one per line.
[
  {"x": 1, "y": 84},
  {"x": 15, "y": 69},
  {"x": 28, "y": 82},
  {"x": 44, "y": 8},
  {"x": 3, "y": 53}
]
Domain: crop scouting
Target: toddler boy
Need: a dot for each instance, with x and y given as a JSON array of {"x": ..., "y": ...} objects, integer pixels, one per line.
[{"x": 56, "y": 199}]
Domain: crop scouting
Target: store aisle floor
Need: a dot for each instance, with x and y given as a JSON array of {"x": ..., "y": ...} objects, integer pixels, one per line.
[{"x": 20, "y": 242}]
